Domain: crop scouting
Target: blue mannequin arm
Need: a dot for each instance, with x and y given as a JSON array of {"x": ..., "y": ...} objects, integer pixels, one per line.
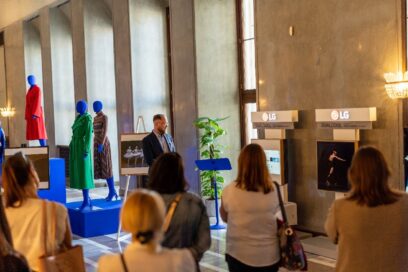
[{"x": 100, "y": 148}]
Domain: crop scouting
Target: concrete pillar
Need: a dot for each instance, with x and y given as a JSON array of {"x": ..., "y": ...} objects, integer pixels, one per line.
[
  {"x": 184, "y": 88},
  {"x": 3, "y": 86},
  {"x": 78, "y": 48},
  {"x": 123, "y": 66},
  {"x": 47, "y": 78},
  {"x": 16, "y": 87},
  {"x": 123, "y": 71}
]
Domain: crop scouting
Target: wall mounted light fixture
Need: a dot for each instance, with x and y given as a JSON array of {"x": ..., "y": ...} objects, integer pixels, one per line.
[
  {"x": 396, "y": 84},
  {"x": 7, "y": 111}
]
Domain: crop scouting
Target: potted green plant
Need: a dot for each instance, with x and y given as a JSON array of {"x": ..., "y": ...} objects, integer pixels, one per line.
[{"x": 210, "y": 131}]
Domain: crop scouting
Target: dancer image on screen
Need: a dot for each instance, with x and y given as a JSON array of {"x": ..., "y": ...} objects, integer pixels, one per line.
[{"x": 332, "y": 163}]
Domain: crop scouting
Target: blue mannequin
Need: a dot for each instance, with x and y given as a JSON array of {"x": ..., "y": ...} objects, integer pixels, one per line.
[
  {"x": 31, "y": 81},
  {"x": 81, "y": 108},
  {"x": 103, "y": 158}
]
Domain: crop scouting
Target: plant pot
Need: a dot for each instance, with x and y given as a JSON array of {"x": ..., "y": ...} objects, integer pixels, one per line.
[{"x": 210, "y": 205}]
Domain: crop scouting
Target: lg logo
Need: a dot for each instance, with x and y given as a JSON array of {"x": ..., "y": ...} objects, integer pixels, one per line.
[
  {"x": 269, "y": 116},
  {"x": 340, "y": 115}
]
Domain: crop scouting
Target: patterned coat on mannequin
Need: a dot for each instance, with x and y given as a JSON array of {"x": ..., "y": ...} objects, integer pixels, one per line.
[
  {"x": 102, "y": 160},
  {"x": 35, "y": 127},
  {"x": 80, "y": 167}
]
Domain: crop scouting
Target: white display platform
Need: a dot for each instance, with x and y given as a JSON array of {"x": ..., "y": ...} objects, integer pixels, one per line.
[{"x": 320, "y": 245}]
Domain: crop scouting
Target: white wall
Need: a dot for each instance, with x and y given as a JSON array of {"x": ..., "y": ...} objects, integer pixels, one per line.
[
  {"x": 100, "y": 68},
  {"x": 217, "y": 72},
  {"x": 149, "y": 59},
  {"x": 62, "y": 76},
  {"x": 14, "y": 10}
]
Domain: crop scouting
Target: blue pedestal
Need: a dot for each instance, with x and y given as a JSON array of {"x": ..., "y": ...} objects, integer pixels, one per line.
[
  {"x": 101, "y": 220},
  {"x": 57, "y": 190}
]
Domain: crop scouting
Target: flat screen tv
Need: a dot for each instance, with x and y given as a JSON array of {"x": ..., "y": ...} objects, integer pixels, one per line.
[
  {"x": 333, "y": 161},
  {"x": 275, "y": 151}
]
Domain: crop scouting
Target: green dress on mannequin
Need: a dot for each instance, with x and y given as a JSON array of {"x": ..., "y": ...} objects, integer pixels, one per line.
[{"x": 80, "y": 166}]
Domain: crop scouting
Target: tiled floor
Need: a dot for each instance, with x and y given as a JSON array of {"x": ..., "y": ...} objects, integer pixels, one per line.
[{"x": 213, "y": 259}]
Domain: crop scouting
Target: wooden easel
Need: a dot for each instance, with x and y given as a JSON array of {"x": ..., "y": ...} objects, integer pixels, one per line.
[{"x": 140, "y": 121}]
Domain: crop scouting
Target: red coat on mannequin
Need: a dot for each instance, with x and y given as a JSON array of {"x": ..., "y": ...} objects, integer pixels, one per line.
[{"x": 35, "y": 125}]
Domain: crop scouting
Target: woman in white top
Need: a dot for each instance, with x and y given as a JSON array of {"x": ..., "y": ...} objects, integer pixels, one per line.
[
  {"x": 25, "y": 211},
  {"x": 249, "y": 206},
  {"x": 143, "y": 216}
]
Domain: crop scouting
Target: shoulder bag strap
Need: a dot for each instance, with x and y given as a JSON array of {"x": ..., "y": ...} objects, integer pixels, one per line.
[
  {"x": 53, "y": 232},
  {"x": 44, "y": 225},
  {"x": 282, "y": 207},
  {"x": 122, "y": 259},
  {"x": 170, "y": 212}
]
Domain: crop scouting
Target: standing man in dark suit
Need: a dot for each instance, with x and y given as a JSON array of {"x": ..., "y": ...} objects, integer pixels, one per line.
[{"x": 158, "y": 141}]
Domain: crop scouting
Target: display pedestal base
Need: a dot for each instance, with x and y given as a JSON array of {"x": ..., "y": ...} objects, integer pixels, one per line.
[
  {"x": 101, "y": 220},
  {"x": 57, "y": 191},
  {"x": 217, "y": 227}
]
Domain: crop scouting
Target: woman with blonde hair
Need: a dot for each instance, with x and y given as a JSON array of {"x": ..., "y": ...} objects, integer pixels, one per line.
[
  {"x": 369, "y": 224},
  {"x": 26, "y": 212},
  {"x": 249, "y": 205},
  {"x": 143, "y": 215}
]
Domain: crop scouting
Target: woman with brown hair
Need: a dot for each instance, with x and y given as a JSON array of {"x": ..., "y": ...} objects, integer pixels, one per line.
[
  {"x": 189, "y": 226},
  {"x": 369, "y": 225},
  {"x": 249, "y": 206},
  {"x": 25, "y": 212}
]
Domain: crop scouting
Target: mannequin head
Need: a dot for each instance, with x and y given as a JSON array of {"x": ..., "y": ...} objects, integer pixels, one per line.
[
  {"x": 81, "y": 107},
  {"x": 31, "y": 80},
  {"x": 97, "y": 106}
]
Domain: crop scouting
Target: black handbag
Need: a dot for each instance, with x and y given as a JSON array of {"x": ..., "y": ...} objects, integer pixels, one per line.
[{"x": 292, "y": 254}]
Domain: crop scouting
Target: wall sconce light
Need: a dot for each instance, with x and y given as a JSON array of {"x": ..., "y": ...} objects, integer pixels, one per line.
[
  {"x": 7, "y": 111},
  {"x": 396, "y": 84}
]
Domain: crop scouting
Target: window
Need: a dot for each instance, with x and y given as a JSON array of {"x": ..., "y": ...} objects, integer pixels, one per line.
[
  {"x": 250, "y": 132},
  {"x": 247, "y": 72},
  {"x": 248, "y": 44}
]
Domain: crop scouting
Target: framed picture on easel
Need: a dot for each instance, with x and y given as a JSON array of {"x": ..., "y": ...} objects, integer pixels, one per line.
[
  {"x": 132, "y": 160},
  {"x": 39, "y": 156}
]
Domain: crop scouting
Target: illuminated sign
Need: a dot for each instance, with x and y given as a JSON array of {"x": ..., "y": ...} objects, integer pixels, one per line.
[
  {"x": 274, "y": 119},
  {"x": 353, "y": 118},
  {"x": 269, "y": 116},
  {"x": 342, "y": 115}
]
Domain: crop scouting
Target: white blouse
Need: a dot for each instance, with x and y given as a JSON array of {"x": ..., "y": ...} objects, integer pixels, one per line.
[
  {"x": 26, "y": 228},
  {"x": 139, "y": 258},
  {"x": 252, "y": 228}
]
